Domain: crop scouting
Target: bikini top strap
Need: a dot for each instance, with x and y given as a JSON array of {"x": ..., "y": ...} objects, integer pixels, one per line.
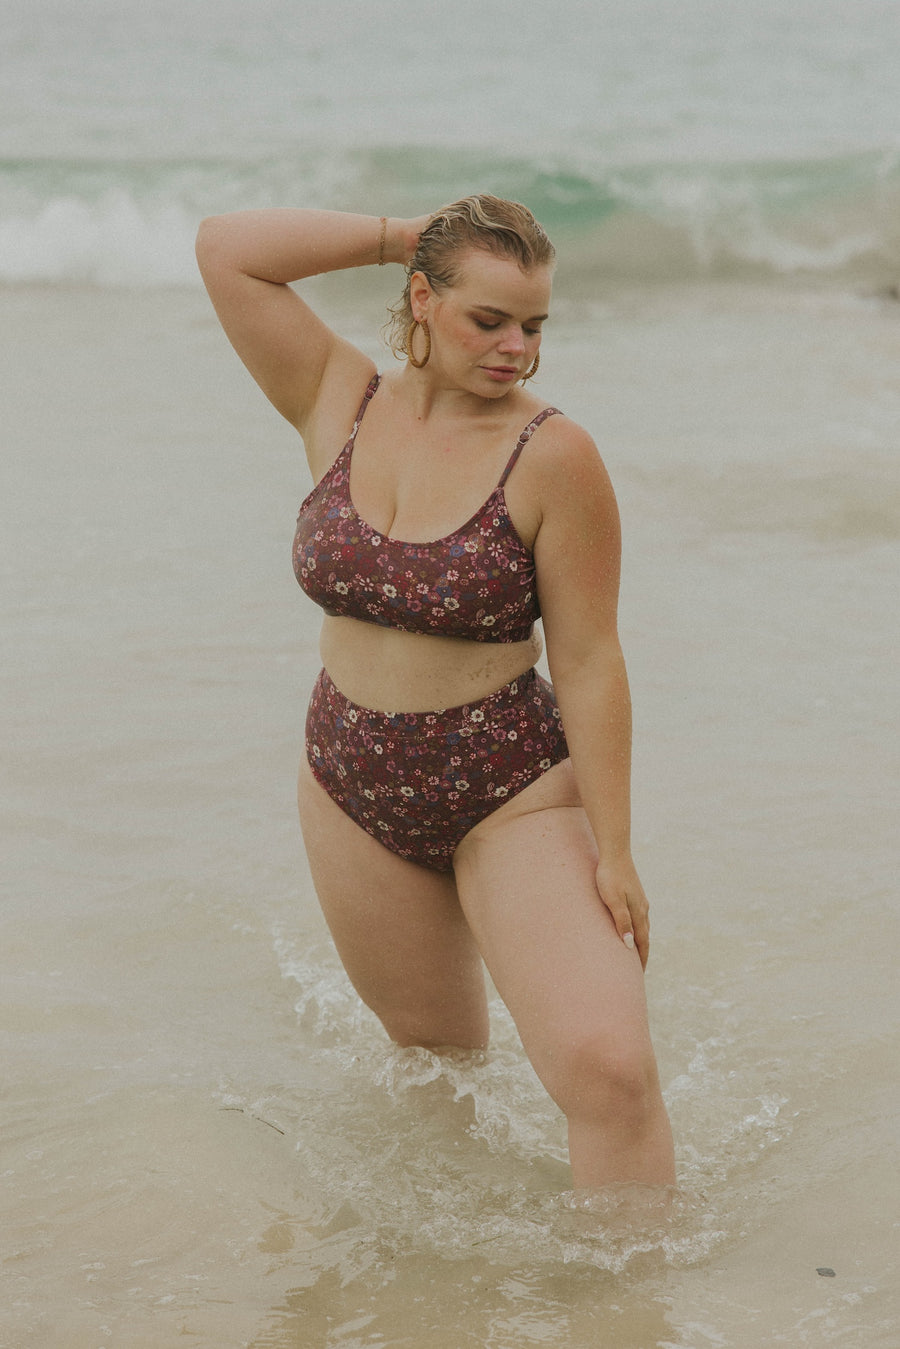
[
  {"x": 366, "y": 400},
  {"x": 524, "y": 439}
]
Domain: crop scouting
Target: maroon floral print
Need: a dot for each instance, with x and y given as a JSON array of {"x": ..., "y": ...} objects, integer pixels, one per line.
[
  {"x": 477, "y": 583},
  {"x": 419, "y": 781}
]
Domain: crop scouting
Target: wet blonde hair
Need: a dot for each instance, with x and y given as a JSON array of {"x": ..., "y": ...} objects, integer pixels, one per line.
[{"x": 505, "y": 228}]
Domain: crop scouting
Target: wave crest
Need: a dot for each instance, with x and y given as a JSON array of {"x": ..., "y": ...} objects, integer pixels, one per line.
[{"x": 118, "y": 223}]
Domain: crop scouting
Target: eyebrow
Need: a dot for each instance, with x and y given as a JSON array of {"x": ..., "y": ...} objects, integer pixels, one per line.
[{"x": 502, "y": 314}]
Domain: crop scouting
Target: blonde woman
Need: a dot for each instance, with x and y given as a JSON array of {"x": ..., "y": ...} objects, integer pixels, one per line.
[{"x": 456, "y": 807}]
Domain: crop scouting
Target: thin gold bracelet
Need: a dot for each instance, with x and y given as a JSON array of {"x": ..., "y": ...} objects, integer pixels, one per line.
[{"x": 381, "y": 241}]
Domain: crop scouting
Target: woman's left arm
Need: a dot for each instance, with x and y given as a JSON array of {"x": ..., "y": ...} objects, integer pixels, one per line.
[{"x": 578, "y": 554}]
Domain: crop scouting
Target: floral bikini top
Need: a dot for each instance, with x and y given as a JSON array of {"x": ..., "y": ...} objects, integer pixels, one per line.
[{"x": 478, "y": 582}]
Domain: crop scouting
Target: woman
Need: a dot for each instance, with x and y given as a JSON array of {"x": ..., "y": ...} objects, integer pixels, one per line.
[{"x": 438, "y": 838}]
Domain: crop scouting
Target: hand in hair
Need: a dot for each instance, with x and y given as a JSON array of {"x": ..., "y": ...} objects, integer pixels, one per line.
[{"x": 406, "y": 237}]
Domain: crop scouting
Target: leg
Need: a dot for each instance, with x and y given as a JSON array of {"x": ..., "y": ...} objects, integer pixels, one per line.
[
  {"x": 398, "y": 929},
  {"x": 526, "y": 884}
]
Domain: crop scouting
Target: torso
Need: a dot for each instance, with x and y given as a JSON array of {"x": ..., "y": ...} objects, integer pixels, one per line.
[
  {"x": 394, "y": 671},
  {"x": 411, "y": 487}
]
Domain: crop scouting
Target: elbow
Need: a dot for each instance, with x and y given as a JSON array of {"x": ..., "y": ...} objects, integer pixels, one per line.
[
  {"x": 215, "y": 245},
  {"x": 205, "y": 242}
]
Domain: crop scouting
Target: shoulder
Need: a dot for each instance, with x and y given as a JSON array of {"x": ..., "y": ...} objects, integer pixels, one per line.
[
  {"x": 577, "y": 507},
  {"x": 563, "y": 458},
  {"x": 568, "y": 440},
  {"x": 561, "y": 488}
]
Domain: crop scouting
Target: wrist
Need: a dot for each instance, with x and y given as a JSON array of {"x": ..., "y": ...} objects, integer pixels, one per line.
[
  {"x": 390, "y": 242},
  {"x": 398, "y": 238},
  {"x": 614, "y": 856}
]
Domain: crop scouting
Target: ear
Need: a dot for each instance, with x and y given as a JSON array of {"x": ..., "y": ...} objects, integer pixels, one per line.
[{"x": 420, "y": 293}]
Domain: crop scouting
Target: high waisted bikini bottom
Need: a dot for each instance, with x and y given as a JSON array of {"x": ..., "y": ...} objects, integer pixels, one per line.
[{"x": 419, "y": 781}]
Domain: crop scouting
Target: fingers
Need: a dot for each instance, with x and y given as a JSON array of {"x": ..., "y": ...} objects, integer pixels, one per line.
[
  {"x": 641, "y": 938},
  {"x": 416, "y": 226},
  {"x": 635, "y": 933},
  {"x": 630, "y": 913}
]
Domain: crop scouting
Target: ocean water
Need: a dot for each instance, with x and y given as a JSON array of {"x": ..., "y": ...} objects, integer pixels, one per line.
[
  {"x": 667, "y": 138},
  {"x": 204, "y": 1136}
]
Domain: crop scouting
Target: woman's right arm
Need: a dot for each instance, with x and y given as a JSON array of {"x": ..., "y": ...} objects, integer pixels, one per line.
[{"x": 247, "y": 261}]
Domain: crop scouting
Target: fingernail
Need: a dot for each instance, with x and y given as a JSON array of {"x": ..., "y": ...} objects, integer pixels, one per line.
[{"x": 628, "y": 939}]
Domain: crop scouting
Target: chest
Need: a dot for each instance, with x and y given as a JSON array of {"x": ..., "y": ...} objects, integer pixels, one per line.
[{"x": 419, "y": 487}]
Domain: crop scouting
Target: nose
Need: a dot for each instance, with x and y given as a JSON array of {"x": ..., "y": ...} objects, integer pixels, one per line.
[{"x": 513, "y": 341}]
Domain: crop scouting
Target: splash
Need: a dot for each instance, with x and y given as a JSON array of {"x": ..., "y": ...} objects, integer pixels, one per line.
[{"x": 462, "y": 1155}]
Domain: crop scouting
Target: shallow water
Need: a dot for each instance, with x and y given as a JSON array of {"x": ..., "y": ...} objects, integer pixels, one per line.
[{"x": 206, "y": 1136}]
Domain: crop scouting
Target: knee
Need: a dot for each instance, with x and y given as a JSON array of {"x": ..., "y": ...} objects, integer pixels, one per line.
[{"x": 606, "y": 1081}]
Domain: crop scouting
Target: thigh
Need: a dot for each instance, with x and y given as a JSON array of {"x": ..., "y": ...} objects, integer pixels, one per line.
[
  {"x": 526, "y": 884},
  {"x": 398, "y": 928}
]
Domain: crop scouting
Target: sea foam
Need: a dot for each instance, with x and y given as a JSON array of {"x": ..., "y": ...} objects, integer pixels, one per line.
[{"x": 132, "y": 223}]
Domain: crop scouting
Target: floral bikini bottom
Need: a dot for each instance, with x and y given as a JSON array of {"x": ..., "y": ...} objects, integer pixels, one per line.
[{"x": 419, "y": 781}]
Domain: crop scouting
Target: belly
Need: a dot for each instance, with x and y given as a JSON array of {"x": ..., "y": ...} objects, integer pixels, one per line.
[{"x": 394, "y": 671}]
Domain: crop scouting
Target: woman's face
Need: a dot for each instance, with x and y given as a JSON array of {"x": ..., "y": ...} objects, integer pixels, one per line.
[{"x": 486, "y": 329}]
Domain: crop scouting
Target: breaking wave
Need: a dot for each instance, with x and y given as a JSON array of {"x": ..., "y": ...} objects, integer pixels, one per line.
[{"x": 132, "y": 222}]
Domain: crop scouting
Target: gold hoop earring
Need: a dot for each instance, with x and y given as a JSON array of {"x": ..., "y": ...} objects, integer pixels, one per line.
[
  {"x": 530, "y": 374},
  {"x": 410, "y": 337}
]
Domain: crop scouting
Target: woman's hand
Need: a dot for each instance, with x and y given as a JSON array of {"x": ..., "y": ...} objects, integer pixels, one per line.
[
  {"x": 620, "y": 889},
  {"x": 402, "y": 237}
]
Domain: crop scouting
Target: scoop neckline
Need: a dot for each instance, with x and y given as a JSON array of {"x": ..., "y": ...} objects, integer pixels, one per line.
[{"x": 371, "y": 390}]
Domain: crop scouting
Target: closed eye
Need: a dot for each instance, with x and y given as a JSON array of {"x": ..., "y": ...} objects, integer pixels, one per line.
[{"x": 491, "y": 327}]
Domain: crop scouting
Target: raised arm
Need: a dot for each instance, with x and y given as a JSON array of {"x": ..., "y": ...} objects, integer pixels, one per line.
[
  {"x": 577, "y": 553},
  {"x": 248, "y": 260}
]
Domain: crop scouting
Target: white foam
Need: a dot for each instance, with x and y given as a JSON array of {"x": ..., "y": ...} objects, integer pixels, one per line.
[
  {"x": 482, "y": 1162},
  {"x": 112, "y": 241}
]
